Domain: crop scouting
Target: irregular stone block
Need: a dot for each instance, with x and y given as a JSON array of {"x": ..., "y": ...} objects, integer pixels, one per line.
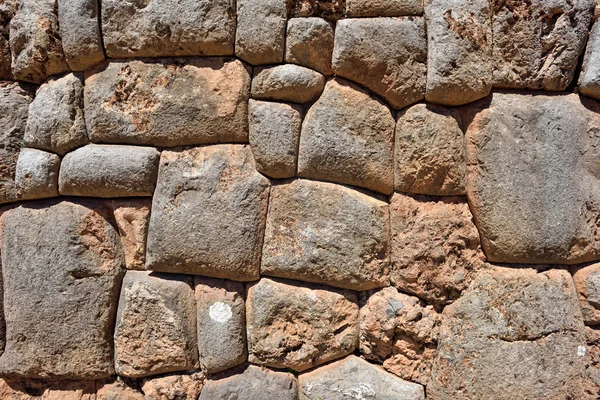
[
  {"x": 21, "y": 389},
  {"x": 287, "y": 82},
  {"x": 347, "y": 137},
  {"x": 459, "y": 58},
  {"x": 154, "y": 28},
  {"x": 36, "y": 175},
  {"x": 132, "y": 217},
  {"x": 274, "y": 135},
  {"x": 299, "y": 326},
  {"x": 35, "y": 42},
  {"x": 387, "y": 55},
  {"x": 80, "y": 33},
  {"x": 62, "y": 266},
  {"x": 168, "y": 103},
  {"x": 109, "y": 171},
  {"x": 435, "y": 247},
  {"x": 155, "y": 330},
  {"x": 430, "y": 155},
  {"x": 7, "y": 11},
  {"x": 357, "y": 378},
  {"x": 55, "y": 122},
  {"x": 537, "y": 43},
  {"x": 221, "y": 323},
  {"x": 325, "y": 233},
  {"x": 260, "y": 34},
  {"x": 383, "y": 8},
  {"x": 587, "y": 284},
  {"x": 208, "y": 213},
  {"x": 254, "y": 383},
  {"x": 330, "y": 9},
  {"x": 400, "y": 332},
  {"x": 532, "y": 187},
  {"x": 173, "y": 386},
  {"x": 589, "y": 79},
  {"x": 514, "y": 334},
  {"x": 117, "y": 388},
  {"x": 309, "y": 42}
]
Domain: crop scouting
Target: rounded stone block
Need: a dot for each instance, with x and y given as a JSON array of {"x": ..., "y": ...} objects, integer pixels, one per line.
[
  {"x": 287, "y": 82},
  {"x": 36, "y": 175},
  {"x": 309, "y": 42}
]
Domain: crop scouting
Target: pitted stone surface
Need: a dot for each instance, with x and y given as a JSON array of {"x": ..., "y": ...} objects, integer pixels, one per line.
[
  {"x": 117, "y": 388},
  {"x": 587, "y": 284},
  {"x": 309, "y": 42},
  {"x": 36, "y": 175},
  {"x": 80, "y": 33},
  {"x": 383, "y": 8},
  {"x": 132, "y": 216},
  {"x": 589, "y": 79},
  {"x": 287, "y": 82},
  {"x": 22, "y": 389},
  {"x": 173, "y": 387},
  {"x": 330, "y": 9}
]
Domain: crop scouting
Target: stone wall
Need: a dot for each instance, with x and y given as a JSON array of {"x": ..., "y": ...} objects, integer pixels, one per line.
[{"x": 300, "y": 199}]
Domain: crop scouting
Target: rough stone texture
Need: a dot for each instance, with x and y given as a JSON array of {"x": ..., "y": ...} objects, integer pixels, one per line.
[
  {"x": 62, "y": 265},
  {"x": 260, "y": 34},
  {"x": 435, "y": 247},
  {"x": 221, "y": 323},
  {"x": 383, "y": 8},
  {"x": 532, "y": 183},
  {"x": 459, "y": 58},
  {"x": 274, "y": 135},
  {"x": 132, "y": 217},
  {"x": 325, "y": 233},
  {"x": 20, "y": 389},
  {"x": 155, "y": 330},
  {"x": 355, "y": 378},
  {"x": 592, "y": 362},
  {"x": 330, "y": 9},
  {"x": 287, "y": 82},
  {"x": 55, "y": 122},
  {"x": 169, "y": 102},
  {"x": 400, "y": 332},
  {"x": 587, "y": 284},
  {"x": 515, "y": 334},
  {"x": 537, "y": 43},
  {"x": 309, "y": 42},
  {"x": 299, "y": 326},
  {"x": 254, "y": 383},
  {"x": 117, "y": 388},
  {"x": 7, "y": 11},
  {"x": 347, "y": 137},
  {"x": 203, "y": 198},
  {"x": 387, "y": 55},
  {"x": 154, "y": 28},
  {"x": 80, "y": 33},
  {"x": 589, "y": 79},
  {"x": 430, "y": 156},
  {"x": 35, "y": 42},
  {"x": 174, "y": 387},
  {"x": 109, "y": 171},
  {"x": 36, "y": 174}
]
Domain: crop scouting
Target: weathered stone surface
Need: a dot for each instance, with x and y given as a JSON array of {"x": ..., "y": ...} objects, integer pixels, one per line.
[
  {"x": 330, "y": 9},
  {"x": 117, "y": 388},
  {"x": 80, "y": 33},
  {"x": 155, "y": 330},
  {"x": 435, "y": 247},
  {"x": 62, "y": 265},
  {"x": 204, "y": 197},
  {"x": 400, "y": 332},
  {"x": 221, "y": 323},
  {"x": 287, "y": 82},
  {"x": 592, "y": 362},
  {"x": 587, "y": 284},
  {"x": 325, "y": 233},
  {"x": 309, "y": 42},
  {"x": 537, "y": 43},
  {"x": 153, "y": 28},
  {"x": 383, "y": 8},
  {"x": 109, "y": 171},
  {"x": 356, "y": 378},
  {"x": 36, "y": 174},
  {"x": 55, "y": 122},
  {"x": 7, "y": 11},
  {"x": 514, "y": 334},
  {"x": 274, "y": 135},
  {"x": 35, "y": 42},
  {"x": 132, "y": 217},
  {"x": 21, "y": 389},
  {"x": 533, "y": 178},
  {"x": 589, "y": 79},
  {"x": 171, "y": 102},
  {"x": 430, "y": 156},
  {"x": 254, "y": 383},
  {"x": 174, "y": 387},
  {"x": 459, "y": 58},
  {"x": 299, "y": 326},
  {"x": 260, "y": 34},
  {"x": 387, "y": 55},
  {"x": 347, "y": 137}
]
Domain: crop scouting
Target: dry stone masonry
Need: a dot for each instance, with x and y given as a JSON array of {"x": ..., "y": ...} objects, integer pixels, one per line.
[{"x": 299, "y": 199}]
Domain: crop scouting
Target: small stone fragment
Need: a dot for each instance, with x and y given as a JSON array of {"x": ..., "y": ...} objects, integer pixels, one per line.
[
  {"x": 117, "y": 388},
  {"x": 325, "y": 233},
  {"x": 132, "y": 217},
  {"x": 347, "y": 137},
  {"x": 156, "y": 325},
  {"x": 109, "y": 171},
  {"x": 274, "y": 135},
  {"x": 36, "y": 175},
  {"x": 299, "y": 326},
  {"x": 383, "y": 8},
  {"x": 353, "y": 377},
  {"x": 287, "y": 82},
  {"x": 221, "y": 323},
  {"x": 309, "y": 42},
  {"x": 589, "y": 79},
  {"x": 174, "y": 387},
  {"x": 7, "y": 11},
  {"x": 29, "y": 389},
  {"x": 587, "y": 284}
]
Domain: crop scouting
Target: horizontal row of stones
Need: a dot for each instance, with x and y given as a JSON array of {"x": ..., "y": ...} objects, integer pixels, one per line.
[{"x": 468, "y": 47}]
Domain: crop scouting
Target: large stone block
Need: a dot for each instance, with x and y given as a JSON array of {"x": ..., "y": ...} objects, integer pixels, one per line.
[
  {"x": 80, "y": 33},
  {"x": 133, "y": 217},
  {"x": 589, "y": 79},
  {"x": 62, "y": 267},
  {"x": 309, "y": 42},
  {"x": 383, "y": 8},
  {"x": 36, "y": 176},
  {"x": 299, "y": 326},
  {"x": 287, "y": 82},
  {"x": 167, "y": 103},
  {"x": 587, "y": 284},
  {"x": 208, "y": 213},
  {"x": 325, "y": 233}
]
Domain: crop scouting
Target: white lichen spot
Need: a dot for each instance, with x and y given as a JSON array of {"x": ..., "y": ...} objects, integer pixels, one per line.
[
  {"x": 581, "y": 350},
  {"x": 220, "y": 312}
]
